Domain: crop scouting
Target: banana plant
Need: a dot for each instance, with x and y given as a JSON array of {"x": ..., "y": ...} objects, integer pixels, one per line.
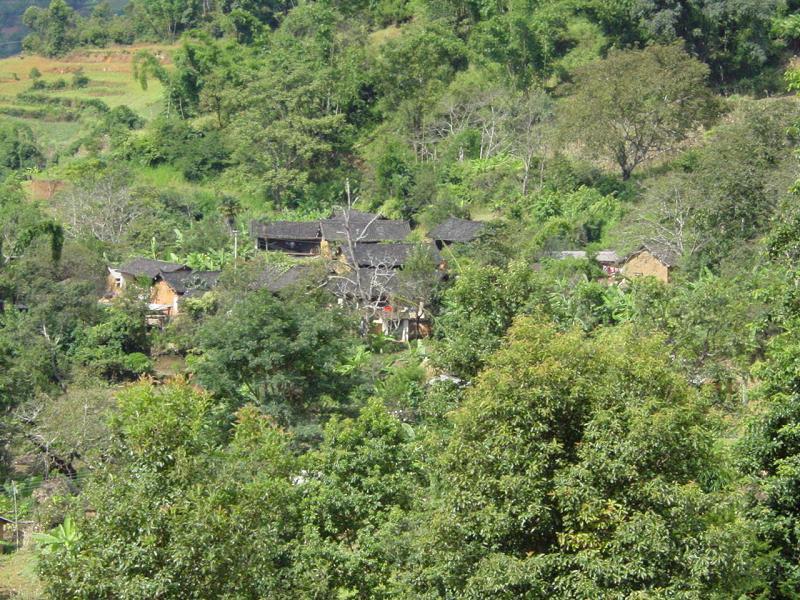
[{"x": 64, "y": 536}]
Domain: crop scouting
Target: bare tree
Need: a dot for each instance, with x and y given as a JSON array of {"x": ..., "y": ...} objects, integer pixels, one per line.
[
  {"x": 103, "y": 209},
  {"x": 368, "y": 290},
  {"x": 472, "y": 105},
  {"x": 27, "y": 422},
  {"x": 670, "y": 218},
  {"x": 68, "y": 430},
  {"x": 528, "y": 130}
]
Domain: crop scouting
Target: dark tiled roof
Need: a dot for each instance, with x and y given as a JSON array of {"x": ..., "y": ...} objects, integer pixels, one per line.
[
  {"x": 378, "y": 281},
  {"x": 146, "y": 267},
  {"x": 276, "y": 278},
  {"x": 376, "y": 255},
  {"x": 190, "y": 282},
  {"x": 285, "y": 230},
  {"x": 607, "y": 257},
  {"x": 565, "y": 254},
  {"x": 381, "y": 230},
  {"x": 662, "y": 253},
  {"x": 355, "y": 216},
  {"x": 456, "y": 230},
  {"x": 385, "y": 255}
]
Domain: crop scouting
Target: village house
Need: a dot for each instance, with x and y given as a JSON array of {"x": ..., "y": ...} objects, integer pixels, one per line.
[
  {"x": 278, "y": 278},
  {"x": 169, "y": 283},
  {"x": 170, "y": 288},
  {"x": 607, "y": 259},
  {"x": 391, "y": 256},
  {"x": 393, "y": 314},
  {"x": 325, "y": 237},
  {"x": 296, "y": 238},
  {"x": 5, "y": 522},
  {"x": 362, "y": 227},
  {"x": 455, "y": 230},
  {"x": 138, "y": 269},
  {"x": 16, "y": 531},
  {"x": 609, "y": 262},
  {"x": 650, "y": 261},
  {"x": 353, "y": 215}
]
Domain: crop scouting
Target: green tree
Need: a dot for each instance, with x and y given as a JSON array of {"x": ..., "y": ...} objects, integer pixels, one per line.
[
  {"x": 53, "y": 28},
  {"x": 361, "y": 479},
  {"x": 477, "y": 310},
  {"x": 742, "y": 174},
  {"x": 292, "y": 133},
  {"x": 637, "y": 104},
  {"x": 581, "y": 468},
  {"x": 770, "y": 455},
  {"x": 280, "y": 353},
  {"x": 190, "y": 505},
  {"x": 118, "y": 347},
  {"x": 167, "y": 18},
  {"x": 18, "y": 149}
]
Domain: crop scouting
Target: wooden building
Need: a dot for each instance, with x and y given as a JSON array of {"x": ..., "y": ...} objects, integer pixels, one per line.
[
  {"x": 296, "y": 238},
  {"x": 364, "y": 231},
  {"x": 650, "y": 261},
  {"x": 390, "y": 256},
  {"x": 455, "y": 230}
]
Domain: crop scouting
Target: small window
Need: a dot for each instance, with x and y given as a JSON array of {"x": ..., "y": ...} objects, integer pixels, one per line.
[{"x": 261, "y": 243}]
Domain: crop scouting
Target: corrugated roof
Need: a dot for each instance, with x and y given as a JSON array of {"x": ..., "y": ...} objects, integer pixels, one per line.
[
  {"x": 456, "y": 230},
  {"x": 285, "y": 230},
  {"x": 381, "y": 230},
  {"x": 146, "y": 267}
]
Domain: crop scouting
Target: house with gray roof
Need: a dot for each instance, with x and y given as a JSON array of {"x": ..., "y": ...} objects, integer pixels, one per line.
[
  {"x": 373, "y": 231},
  {"x": 138, "y": 269},
  {"x": 455, "y": 230},
  {"x": 650, "y": 260},
  {"x": 353, "y": 215},
  {"x": 171, "y": 288},
  {"x": 296, "y": 238},
  {"x": 391, "y": 256},
  {"x": 277, "y": 278},
  {"x": 147, "y": 267},
  {"x": 609, "y": 261}
]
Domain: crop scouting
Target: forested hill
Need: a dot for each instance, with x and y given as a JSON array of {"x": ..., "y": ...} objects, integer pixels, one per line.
[
  {"x": 401, "y": 299},
  {"x": 12, "y": 23}
]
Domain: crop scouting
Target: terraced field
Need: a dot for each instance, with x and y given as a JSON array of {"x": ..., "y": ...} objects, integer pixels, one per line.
[{"x": 58, "y": 116}]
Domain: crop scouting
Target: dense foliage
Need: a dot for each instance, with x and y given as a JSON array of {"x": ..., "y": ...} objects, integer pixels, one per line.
[{"x": 566, "y": 431}]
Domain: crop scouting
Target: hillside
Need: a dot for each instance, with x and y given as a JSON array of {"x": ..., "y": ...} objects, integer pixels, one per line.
[
  {"x": 57, "y": 116},
  {"x": 436, "y": 299},
  {"x": 12, "y": 29}
]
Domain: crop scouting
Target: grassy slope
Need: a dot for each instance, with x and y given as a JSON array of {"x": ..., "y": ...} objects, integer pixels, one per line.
[
  {"x": 18, "y": 576},
  {"x": 109, "y": 71}
]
